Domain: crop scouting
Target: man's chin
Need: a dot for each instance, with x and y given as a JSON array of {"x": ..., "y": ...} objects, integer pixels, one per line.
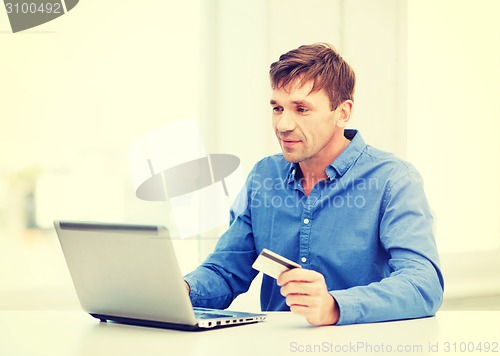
[{"x": 291, "y": 158}]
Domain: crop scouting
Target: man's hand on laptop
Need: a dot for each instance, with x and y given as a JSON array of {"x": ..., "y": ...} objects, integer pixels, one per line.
[{"x": 307, "y": 295}]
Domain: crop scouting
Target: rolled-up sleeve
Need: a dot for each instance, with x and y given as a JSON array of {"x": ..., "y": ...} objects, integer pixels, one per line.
[
  {"x": 227, "y": 272},
  {"x": 414, "y": 287}
]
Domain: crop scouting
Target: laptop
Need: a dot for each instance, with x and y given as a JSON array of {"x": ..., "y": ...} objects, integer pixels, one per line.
[{"x": 129, "y": 274}]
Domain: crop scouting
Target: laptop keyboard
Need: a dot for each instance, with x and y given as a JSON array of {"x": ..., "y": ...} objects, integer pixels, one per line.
[{"x": 210, "y": 315}]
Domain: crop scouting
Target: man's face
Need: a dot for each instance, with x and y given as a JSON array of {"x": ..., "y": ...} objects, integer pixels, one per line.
[{"x": 304, "y": 124}]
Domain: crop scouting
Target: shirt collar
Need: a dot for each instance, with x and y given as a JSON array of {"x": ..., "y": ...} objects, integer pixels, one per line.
[
  {"x": 343, "y": 162},
  {"x": 292, "y": 171}
]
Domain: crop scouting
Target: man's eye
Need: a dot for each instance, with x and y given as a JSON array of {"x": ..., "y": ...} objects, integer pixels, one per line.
[
  {"x": 277, "y": 109},
  {"x": 302, "y": 109}
]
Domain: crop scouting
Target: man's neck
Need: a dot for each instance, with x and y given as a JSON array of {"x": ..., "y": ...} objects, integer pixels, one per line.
[{"x": 313, "y": 170}]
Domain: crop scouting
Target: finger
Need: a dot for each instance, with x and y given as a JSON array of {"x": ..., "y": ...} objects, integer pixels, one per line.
[
  {"x": 305, "y": 288},
  {"x": 293, "y": 288},
  {"x": 304, "y": 300},
  {"x": 294, "y": 300},
  {"x": 307, "y": 313},
  {"x": 298, "y": 274},
  {"x": 300, "y": 310},
  {"x": 286, "y": 277}
]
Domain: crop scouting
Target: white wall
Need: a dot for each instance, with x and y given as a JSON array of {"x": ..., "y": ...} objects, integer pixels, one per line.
[
  {"x": 74, "y": 94},
  {"x": 453, "y": 127}
]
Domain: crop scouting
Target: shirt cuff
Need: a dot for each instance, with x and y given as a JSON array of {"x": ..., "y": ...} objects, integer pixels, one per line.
[
  {"x": 193, "y": 290},
  {"x": 349, "y": 307}
]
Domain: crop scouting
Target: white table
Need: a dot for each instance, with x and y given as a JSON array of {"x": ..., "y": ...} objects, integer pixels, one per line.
[{"x": 75, "y": 333}]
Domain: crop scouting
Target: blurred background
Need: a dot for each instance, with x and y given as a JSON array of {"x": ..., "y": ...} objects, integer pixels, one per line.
[{"x": 76, "y": 92}]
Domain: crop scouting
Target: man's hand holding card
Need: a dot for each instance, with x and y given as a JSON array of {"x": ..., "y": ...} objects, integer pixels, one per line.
[{"x": 305, "y": 290}]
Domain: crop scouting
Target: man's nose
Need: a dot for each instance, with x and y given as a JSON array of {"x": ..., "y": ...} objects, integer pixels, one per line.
[{"x": 286, "y": 122}]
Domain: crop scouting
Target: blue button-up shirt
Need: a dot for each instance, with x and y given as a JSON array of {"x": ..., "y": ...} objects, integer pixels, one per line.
[{"x": 367, "y": 228}]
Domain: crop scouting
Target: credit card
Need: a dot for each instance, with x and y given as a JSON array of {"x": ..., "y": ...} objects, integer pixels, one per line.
[{"x": 272, "y": 264}]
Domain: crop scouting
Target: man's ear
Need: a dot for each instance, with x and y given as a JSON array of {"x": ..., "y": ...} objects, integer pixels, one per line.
[{"x": 344, "y": 111}]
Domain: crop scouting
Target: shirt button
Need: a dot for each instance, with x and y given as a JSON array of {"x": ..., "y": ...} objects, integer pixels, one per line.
[
  {"x": 303, "y": 260},
  {"x": 306, "y": 221}
]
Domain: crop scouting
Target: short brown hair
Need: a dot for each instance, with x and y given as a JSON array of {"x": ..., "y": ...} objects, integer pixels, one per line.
[{"x": 322, "y": 64}]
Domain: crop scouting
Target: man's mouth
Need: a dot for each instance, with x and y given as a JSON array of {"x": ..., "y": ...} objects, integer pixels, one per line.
[{"x": 289, "y": 143}]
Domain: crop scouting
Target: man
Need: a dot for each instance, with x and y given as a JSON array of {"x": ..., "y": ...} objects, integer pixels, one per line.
[{"x": 354, "y": 217}]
